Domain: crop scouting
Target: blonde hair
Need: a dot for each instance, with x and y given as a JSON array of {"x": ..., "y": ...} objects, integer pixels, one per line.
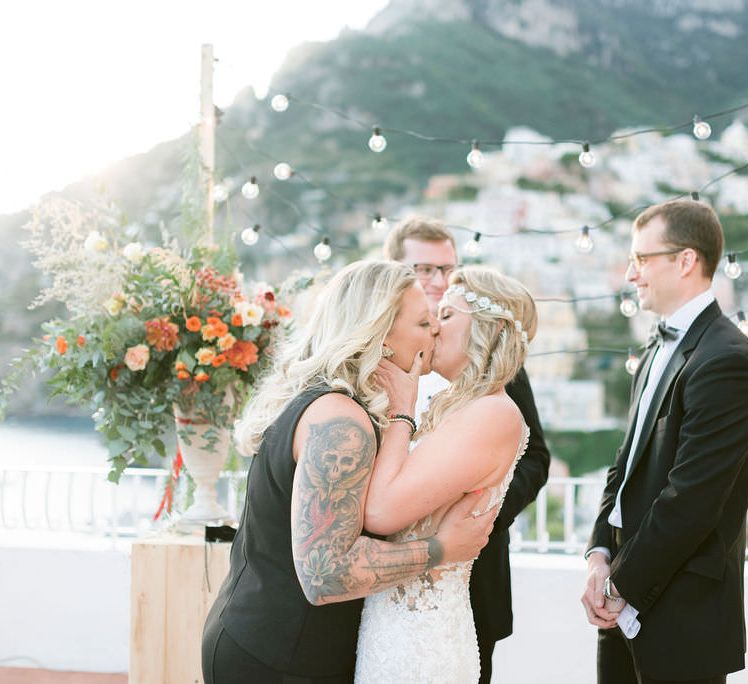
[
  {"x": 415, "y": 228},
  {"x": 340, "y": 346},
  {"x": 495, "y": 348}
]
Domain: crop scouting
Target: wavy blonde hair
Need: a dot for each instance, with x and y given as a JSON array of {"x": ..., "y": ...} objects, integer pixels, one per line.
[
  {"x": 340, "y": 345},
  {"x": 494, "y": 348}
]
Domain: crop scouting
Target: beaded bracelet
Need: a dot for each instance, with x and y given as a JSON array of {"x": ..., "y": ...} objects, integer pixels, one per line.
[{"x": 405, "y": 419}]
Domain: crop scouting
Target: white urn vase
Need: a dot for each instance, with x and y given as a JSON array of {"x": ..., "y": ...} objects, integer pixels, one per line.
[{"x": 204, "y": 449}]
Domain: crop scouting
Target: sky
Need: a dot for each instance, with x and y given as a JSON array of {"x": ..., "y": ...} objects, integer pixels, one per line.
[{"x": 84, "y": 83}]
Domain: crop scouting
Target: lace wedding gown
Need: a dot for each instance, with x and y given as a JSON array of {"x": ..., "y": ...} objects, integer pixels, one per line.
[{"x": 423, "y": 630}]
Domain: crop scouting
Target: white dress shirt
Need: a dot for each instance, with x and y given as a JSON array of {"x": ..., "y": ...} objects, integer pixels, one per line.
[{"x": 681, "y": 320}]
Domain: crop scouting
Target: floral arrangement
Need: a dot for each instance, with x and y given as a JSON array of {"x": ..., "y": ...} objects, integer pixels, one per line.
[{"x": 152, "y": 330}]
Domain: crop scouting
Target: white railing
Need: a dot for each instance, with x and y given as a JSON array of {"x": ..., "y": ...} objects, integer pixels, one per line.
[{"x": 82, "y": 500}]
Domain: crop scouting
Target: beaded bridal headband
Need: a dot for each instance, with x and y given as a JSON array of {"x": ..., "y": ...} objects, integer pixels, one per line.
[{"x": 478, "y": 304}]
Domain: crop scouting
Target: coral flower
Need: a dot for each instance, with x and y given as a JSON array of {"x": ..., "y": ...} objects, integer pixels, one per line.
[
  {"x": 284, "y": 313},
  {"x": 180, "y": 365},
  {"x": 114, "y": 372},
  {"x": 202, "y": 376},
  {"x": 61, "y": 344},
  {"x": 218, "y": 361},
  {"x": 81, "y": 341},
  {"x": 236, "y": 320},
  {"x": 137, "y": 357},
  {"x": 161, "y": 333},
  {"x": 242, "y": 354},
  {"x": 183, "y": 375},
  {"x": 193, "y": 324}
]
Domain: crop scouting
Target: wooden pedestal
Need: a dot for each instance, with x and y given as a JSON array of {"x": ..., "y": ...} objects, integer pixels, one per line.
[{"x": 173, "y": 588}]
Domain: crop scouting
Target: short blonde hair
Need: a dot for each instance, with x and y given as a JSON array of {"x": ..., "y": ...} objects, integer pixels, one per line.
[
  {"x": 494, "y": 347},
  {"x": 341, "y": 346},
  {"x": 415, "y": 228}
]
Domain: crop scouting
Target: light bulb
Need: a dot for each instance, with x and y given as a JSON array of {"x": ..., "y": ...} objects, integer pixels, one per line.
[
  {"x": 279, "y": 102},
  {"x": 701, "y": 129},
  {"x": 380, "y": 224},
  {"x": 322, "y": 250},
  {"x": 742, "y": 323},
  {"x": 282, "y": 171},
  {"x": 584, "y": 241},
  {"x": 220, "y": 192},
  {"x": 695, "y": 196},
  {"x": 732, "y": 267},
  {"x": 377, "y": 142},
  {"x": 250, "y": 189},
  {"x": 475, "y": 156},
  {"x": 586, "y": 158},
  {"x": 632, "y": 363},
  {"x": 472, "y": 248},
  {"x": 250, "y": 236},
  {"x": 628, "y": 306}
]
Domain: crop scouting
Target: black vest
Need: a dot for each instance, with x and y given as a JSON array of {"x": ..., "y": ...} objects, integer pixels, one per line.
[{"x": 261, "y": 604}]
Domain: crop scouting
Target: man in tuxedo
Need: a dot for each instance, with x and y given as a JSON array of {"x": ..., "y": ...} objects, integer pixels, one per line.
[
  {"x": 667, "y": 552},
  {"x": 430, "y": 249}
]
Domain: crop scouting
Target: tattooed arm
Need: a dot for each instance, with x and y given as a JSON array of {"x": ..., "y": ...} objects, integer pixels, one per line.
[{"x": 335, "y": 447}]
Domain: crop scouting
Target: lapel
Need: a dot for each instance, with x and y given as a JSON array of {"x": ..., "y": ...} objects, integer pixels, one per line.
[
  {"x": 673, "y": 368},
  {"x": 636, "y": 392}
]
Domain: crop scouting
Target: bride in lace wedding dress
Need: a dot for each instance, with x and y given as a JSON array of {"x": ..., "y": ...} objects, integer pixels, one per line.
[{"x": 471, "y": 438}]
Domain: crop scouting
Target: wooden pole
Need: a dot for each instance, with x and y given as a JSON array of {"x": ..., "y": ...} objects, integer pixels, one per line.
[{"x": 207, "y": 137}]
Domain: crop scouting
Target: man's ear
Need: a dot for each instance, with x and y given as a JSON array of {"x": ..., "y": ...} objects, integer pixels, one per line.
[{"x": 690, "y": 261}]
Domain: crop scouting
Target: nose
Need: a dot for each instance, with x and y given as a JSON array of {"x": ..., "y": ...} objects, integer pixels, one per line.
[
  {"x": 435, "y": 325},
  {"x": 631, "y": 273}
]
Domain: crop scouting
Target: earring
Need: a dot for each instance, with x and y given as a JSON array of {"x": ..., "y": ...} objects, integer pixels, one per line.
[{"x": 387, "y": 353}]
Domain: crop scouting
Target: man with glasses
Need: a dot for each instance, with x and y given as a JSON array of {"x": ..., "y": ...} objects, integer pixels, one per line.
[
  {"x": 430, "y": 249},
  {"x": 667, "y": 552}
]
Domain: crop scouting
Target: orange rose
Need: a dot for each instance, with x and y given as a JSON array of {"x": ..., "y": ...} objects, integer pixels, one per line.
[
  {"x": 193, "y": 324},
  {"x": 216, "y": 328},
  {"x": 242, "y": 354},
  {"x": 81, "y": 340},
  {"x": 183, "y": 375},
  {"x": 202, "y": 376},
  {"x": 180, "y": 366},
  {"x": 236, "y": 320},
  {"x": 114, "y": 373},
  {"x": 61, "y": 344},
  {"x": 218, "y": 361},
  {"x": 205, "y": 355}
]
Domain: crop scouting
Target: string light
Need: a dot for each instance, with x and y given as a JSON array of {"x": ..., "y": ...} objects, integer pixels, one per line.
[
  {"x": 732, "y": 267},
  {"x": 584, "y": 241},
  {"x": 322, "y": 250},
  {"x": 742, "y": 323},
  {"x": 220, "y": 193},
  {"x": 475, "y": 156},
  {"x": 701, "y": 129},
  {"x": 586, "y": 158},
  {"x": 282, "y": 171},
  {"x": 472, "y": 247},
  {"x": 279, "y": 102},
  {"x": 377, "y": 142},
  {"x": 250, "y": 189},
  {"x": 628, "y": 306},
  {"x": 380, "y": 224},
  {"x": 632, "y": 363},
  {"x": 250, "y": 236}
]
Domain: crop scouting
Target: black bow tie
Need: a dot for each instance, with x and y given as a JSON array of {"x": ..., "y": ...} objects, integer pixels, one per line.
[{"x": 662, "y": 333}]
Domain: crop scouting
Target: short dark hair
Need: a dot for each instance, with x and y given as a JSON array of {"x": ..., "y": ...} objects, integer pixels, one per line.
[
  {"x": 689, "y": 224},
  {"x": 415, "y": 228}
]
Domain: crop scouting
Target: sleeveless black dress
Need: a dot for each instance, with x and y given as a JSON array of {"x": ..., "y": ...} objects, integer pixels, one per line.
[{"x": 261, "y": 627}]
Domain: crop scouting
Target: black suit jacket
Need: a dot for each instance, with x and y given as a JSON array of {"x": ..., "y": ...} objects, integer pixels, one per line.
[
  {"x": 682, "y": 556},
  {"x": 490, "y": 585}
]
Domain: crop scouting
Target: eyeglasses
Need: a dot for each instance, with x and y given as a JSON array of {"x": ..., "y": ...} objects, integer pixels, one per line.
[
  {"x": 638, "y": 259},
  {"x": 428, "y": 271}
]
